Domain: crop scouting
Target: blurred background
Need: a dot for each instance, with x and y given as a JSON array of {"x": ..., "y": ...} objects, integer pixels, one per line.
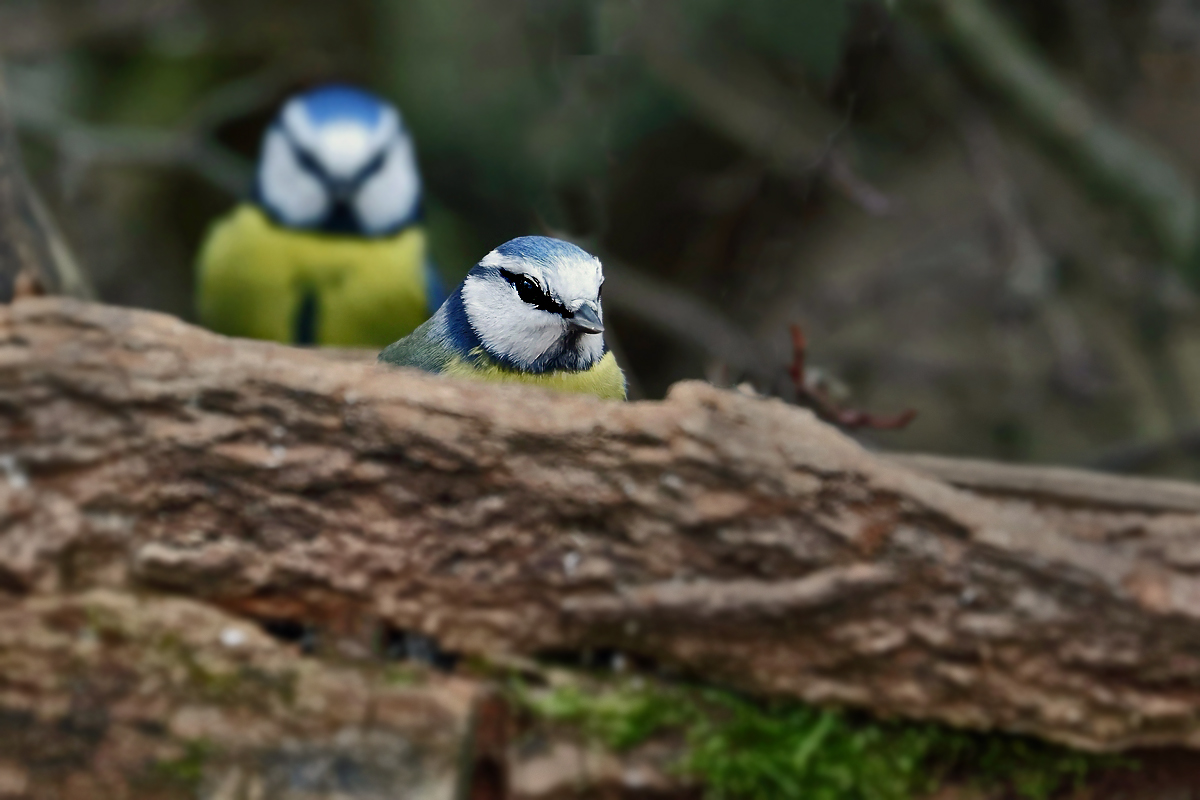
[{"x": 867, "y": 170}]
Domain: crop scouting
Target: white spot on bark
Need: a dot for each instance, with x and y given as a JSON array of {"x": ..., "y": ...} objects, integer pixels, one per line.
[
  {"x": 672, "y": 483},
  {"x": 17, "y": 477},
  {"x": 233, "y": 637}
]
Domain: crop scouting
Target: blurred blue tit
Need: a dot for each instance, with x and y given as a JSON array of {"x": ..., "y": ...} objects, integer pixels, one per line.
[
  {"x": 330, "y": 250},
  {"x": 529, "y": 312}
]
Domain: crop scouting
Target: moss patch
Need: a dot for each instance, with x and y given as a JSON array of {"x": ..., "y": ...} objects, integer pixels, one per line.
[
  {"x": 742, "y": 750},
  {"x": 182, "y": 775},
  {"x": 228, "y": 684}
]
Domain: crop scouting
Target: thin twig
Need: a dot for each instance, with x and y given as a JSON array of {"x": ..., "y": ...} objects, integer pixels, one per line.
[
  {"x": 34, "y": 258},
  {"x": 853, "y": 187},
  {"x": 814, "y": 396},
  {"x": 694, "y": 323}
]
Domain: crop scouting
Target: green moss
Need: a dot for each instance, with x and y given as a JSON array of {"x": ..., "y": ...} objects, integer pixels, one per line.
[
  {"x": 185, "y": 773},
  {"x": 621, "y": 717},
  {"x": 228, "y": 685},
  {"x": 105, "y": 624},
  {"x": 405, "y": 674},
  {"x": 741, "y": 750}
]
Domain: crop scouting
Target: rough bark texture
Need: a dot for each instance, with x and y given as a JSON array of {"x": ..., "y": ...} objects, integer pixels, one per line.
[
  {"x": 104, "y": 694},
  {"x": 730, "y": 536}
]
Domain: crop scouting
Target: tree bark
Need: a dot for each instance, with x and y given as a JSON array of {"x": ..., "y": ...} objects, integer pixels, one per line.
[
  {"x": 732, "y": 537},
  {"x": 104, "y": 694}
]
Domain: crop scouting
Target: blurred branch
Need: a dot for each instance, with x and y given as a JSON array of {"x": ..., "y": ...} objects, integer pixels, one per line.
[
  {"x": 1053, "y": 485},
  {"x": 33, "y": 29},
  {"x": 686, "y": 319},
  {"x": 1142, "y": 454},
  {"x": 696, "y": 324},
  {"x": 191, "y": 146},
  {"x": 34, "y": 258},
  {"x": 793, "y": 134},
  {"x": 680, "y": 316},
  {"x": 83, "y": 146},
  {"x": 239, "y": 98},
  {"x": 1115, "y": 166},
  {"x": 853, "y": 187},
  {"x": 1029, "y": 266}
]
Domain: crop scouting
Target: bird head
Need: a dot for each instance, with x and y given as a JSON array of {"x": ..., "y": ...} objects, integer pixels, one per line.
[
  {"x": 339, "y": 159},
  {"x": 534, "y": 304}
]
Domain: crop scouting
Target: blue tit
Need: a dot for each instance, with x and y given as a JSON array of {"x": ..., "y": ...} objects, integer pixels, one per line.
[
  {"x": 529, "y": 312},
  {"x": 330, "y": 249}
]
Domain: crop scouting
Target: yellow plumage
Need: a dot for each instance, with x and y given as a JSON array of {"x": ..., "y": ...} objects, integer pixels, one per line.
[
  {"x": 605, "y": 379},
  {"x": 255, "y": 279}
]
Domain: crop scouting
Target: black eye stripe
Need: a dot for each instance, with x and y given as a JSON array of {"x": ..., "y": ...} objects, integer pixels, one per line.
[
  {"x": 373, "y": 166},
  {"x": 311, "y": 164},
  {"x": 530, "y": 292}
]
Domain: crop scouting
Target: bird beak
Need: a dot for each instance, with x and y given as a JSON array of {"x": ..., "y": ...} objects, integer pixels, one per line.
[{"x": 586, "y": 320}]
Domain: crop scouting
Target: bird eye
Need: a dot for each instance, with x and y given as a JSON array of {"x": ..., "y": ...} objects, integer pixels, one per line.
[
  {"x": 530, "y": 291},
  {"x": 527, "y": 288},
  {"x": 600, "y": 292}
]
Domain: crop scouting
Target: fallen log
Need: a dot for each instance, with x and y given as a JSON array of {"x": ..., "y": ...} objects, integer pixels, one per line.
[
  {"x": 104, "y": 694},
  {"x": 716, "y": 533}
]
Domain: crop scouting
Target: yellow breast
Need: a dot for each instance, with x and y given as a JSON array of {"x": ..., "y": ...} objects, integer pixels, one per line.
[
  {"x": 253, "y": 276},
  {"x": 604, "y": 379}
]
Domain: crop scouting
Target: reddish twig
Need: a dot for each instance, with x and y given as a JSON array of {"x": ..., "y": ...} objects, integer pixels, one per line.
[{"x": 815, "y": 397}]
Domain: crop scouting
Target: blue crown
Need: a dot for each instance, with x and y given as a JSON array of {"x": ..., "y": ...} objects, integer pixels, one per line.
[
  {"x": 541, "y": 249},
  {"x": 337, "y": 102}
]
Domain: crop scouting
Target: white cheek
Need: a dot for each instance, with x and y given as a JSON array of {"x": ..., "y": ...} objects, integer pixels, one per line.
[
  {"x": 507, "y": 325},
  {"x": 294, "y": 195},
  {"x": 390, "y": 196}
]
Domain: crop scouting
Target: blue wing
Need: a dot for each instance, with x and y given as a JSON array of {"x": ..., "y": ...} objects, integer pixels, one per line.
[{"x": 435, "y": 287}]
